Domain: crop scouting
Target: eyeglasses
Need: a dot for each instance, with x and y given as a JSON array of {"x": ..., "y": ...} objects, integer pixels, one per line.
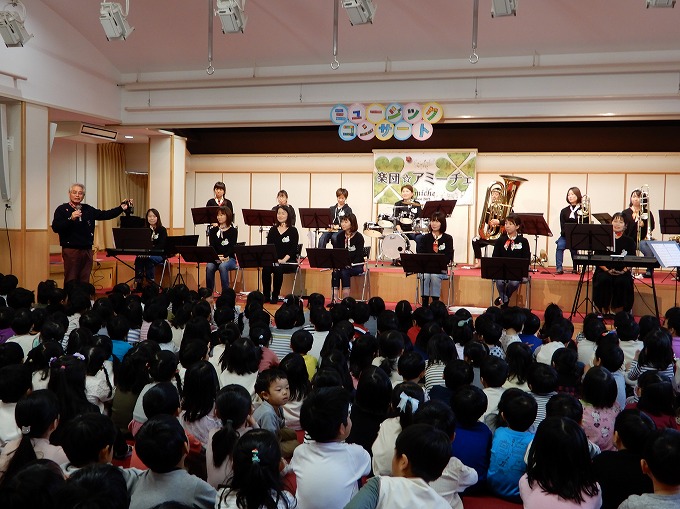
[{"x": 78, "y": 193}]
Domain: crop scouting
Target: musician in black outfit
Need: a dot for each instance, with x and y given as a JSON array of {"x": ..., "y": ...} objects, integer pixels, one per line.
[
  {"x": 337, "y": 212},
  {"x": 282, "y": 199},
  {"x": 407, "y": 208},
  {"x": 436, "y": 241},
  {"x": 223, "y": 238},
  {"x": 145, "y": 265},
  {"x": 285, "y": 237},
  {"x": 353, "y": 241},
  {"x": 511, "y": 244},
  {"x": 613, "y": 283},
  {"x": 74, "y": 223},
  {"x": 632, "y": 216},
  {"x": 569, "y": 214}
]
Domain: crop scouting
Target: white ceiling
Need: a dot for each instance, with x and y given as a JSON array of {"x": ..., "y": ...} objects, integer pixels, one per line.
[{"x": 171, "y": 35}]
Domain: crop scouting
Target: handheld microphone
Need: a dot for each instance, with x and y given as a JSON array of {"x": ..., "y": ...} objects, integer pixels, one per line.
[{"x": 78, "y": 207}]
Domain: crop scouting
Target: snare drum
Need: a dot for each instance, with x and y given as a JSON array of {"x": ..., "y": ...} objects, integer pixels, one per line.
[
  {"x": 392, "y": 245},
  {"x": 385, "y": 221},
  {"x": 406, "y": 218},
  {"x": 373, "y": 230}
]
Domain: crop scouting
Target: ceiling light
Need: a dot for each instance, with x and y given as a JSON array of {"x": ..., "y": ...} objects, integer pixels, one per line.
[
  {"x": 360, "y": 12},
  {"x": 114, "y": 20},
  {"x": 500, "y": 8},
  {"x": 128, "y": 137},
  {"x": 12, "y": 24},
  {"x": 232, "y": 15},
  {"x": 660, "y": 3}
]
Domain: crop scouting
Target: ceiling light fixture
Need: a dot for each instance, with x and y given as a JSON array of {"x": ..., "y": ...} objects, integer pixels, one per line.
[
  {"x": 114, "y": 20},
  {"x": 660, "y": 3},
  {"x": 232, "y": 15},
  {"x": 360, "y": 12},
  {"x": 12, "y": 27},
  {"x": 501, "y": 8}
]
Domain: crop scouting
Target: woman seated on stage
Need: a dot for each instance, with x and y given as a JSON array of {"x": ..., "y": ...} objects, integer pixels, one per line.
[
  {"x": 144, "y": 265},
  {"x": 407, "y": 208},
  {"x": 634, "y": 218},
  {"x": 511, "y": 244},
  {"x": 352, "y": 240},
  {"x": 285, "y": 237},
  {"x": 223, "y": 238},
  {"x": 569, "y": 214},
  {"x": 282, "y": 199},
  {"x": 336, "y": 212},
  {"x": 612, "y": 283},
  {"x": 435, "y": 241}
]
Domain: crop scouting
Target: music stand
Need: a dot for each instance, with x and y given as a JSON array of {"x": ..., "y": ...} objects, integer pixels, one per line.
[
  {"x": 444, "y": 206},
  {"x": 589, "y": 238},
  {"x": 132, "y": 238},
  {"x": 259, "y": 217},
  {"x": 667, "y": 253},
  {"x": 204, "y": 215},
  {"x": 171, "y": 245},
  {"x": 534, "y": 224},
  {"x": 334, "y": 259},
  {"x": 505, "y": 269},
  {"x": 198, "y": 255},
  {"x": 670, "y": 225},
  {"x": 255, "y": 257},
  {"x": 603, "y": 217},
  {"x": 423, "y": 263},
  {"x": 315, "y": 219}
]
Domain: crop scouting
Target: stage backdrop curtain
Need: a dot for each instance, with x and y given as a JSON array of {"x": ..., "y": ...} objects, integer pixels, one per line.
[{"x": 114, "y": 185}]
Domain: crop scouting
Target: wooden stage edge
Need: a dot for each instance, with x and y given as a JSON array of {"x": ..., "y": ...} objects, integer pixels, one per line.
[{"x": 390, "y": 283}]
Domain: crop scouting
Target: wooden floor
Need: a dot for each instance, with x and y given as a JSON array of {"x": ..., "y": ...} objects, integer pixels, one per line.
[{"x": 390, "y": 283}]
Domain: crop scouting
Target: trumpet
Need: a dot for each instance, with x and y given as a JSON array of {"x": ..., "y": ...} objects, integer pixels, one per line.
[{"x": 584, "y": 212}]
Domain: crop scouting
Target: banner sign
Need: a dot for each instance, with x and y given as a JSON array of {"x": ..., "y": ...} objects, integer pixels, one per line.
[
  {"x": 434, "y": 175},
  {"x": 385, "y": 122}
]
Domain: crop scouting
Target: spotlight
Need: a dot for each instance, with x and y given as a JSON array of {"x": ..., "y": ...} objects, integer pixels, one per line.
[
  {"x": 660, "y": 3},
  {"x": 12, "y": 27},
  {"x": 500, "y": 8},
  {"x": 232, "y": 15},
  {"x": 360, "y": 12},
  {"x": 114, "y": 20}
]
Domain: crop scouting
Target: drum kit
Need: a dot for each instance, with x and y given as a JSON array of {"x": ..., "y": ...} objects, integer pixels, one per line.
[{"x": 391, "y": 241}]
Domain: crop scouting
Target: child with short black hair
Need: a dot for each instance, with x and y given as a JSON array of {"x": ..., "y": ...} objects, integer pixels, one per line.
[
  {"x": 493, "y": 374},
  {"x": 474, "y": 354},
  {"x": 512, "y": 321},
  {"x": 519, "y": 359},
  {"x": 420, "y": 456},
  {"x": 612, "y": 358},
  {"x": 660, "y": 460},
  {"x": 327, "y": 460},
  {"x": 89, "y": 438},
  {"x": 542, "y": 380},
  {"x": 531, "y": 325},
  {"x": 411, "y": 366},
  {"x": 558, "y": 336},
  {"x": 489, "y": 332},
  {"x": 510, "y": 443},
  {"x": 15, "y": 382},
  {"x": 569, "y": 371},
  {"x": 593, "y": 329},
  {"x": 272, "y": 387},
  {"x": 619, "y": 472},
  {"x": 301, "y": 342},
  {"x": 472, "y": 444},
  {"x": 390, "y": 348},
  {"x": 457, "y": 373},
  {"x": 599, "y": 407},
  {"x": 162, "y": 445},
  {"x": 656, "y": 400}
]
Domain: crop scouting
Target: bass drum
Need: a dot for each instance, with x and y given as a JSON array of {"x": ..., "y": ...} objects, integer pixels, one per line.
[
  {"x": 373, "y": 230},
  {"x": 392, "y": 245}
]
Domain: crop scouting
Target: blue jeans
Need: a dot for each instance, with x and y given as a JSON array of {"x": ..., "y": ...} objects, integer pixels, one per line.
[
  {"x": 145, "y": 265},
  {"x": 506, "y": 289},
  {"x": 327, "y": 237},
  {"x": 559, "y": 254},
  {"x": 432, "y": 284},
  {"x": 345, "y": 275},
  {"x": 224, "y": 269}
]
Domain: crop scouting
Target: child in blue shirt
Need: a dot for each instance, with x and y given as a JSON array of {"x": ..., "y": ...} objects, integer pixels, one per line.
[{"x": 518, "y": 410}]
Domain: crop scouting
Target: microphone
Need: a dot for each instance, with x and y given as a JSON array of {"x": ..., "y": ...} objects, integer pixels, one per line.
[{"x": 78, "y": 207}]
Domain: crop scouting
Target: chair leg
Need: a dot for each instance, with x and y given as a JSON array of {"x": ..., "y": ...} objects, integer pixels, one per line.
[
  {"x": 450, "y": 295},
  {"x": 367, "y": 279}
]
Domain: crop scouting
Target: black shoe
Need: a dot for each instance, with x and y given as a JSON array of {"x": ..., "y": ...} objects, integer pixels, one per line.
[
  {"x": 574, "y": 271},
  {"x": 497, "y": 302},
  {"x": 647, "y": 274},
  {"x": 274, "y": 300},
  {"x": 559, "y": 272}
]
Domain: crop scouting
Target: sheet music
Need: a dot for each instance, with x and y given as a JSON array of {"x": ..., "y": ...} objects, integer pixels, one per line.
[{"x": 667, "y": 253}]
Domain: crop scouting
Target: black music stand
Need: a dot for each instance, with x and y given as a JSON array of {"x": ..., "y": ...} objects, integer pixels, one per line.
[
  {"x": 315, "y": 219},
  {"x": 534, "y": 224},
  {"x": 171, "y": 245},
  {"x": 667, "y": 253},
  {"x": 132, "y": 238},
  {"x": 334, "y": 259},
  {"x": 198, "y": 255},
  {"x": 603, "y": 217},
  {"x": 444, "y": 206},
  {"x": 505, "y": 269},
  {"x": 255, "y": 257},
  {"x": 423, "y": 263},
  {"x": 589, "y": 238},
  {"x": 670, "y": 225},
  {"x": 204, "y": 215},
  {"x": 259, "y": 217}
]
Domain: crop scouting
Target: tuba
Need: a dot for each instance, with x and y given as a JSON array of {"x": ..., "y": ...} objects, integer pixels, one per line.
[
  {"x": 584, "y": 212},
  {"x": 500, "y": 208}
]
